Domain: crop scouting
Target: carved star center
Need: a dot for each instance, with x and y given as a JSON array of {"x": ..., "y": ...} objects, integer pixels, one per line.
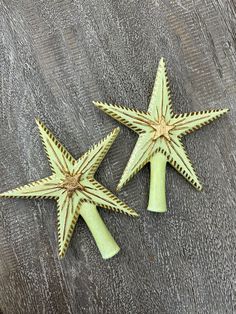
[
  {"x": 161, "y": 128},
  {"x": 72, "y": 183}
]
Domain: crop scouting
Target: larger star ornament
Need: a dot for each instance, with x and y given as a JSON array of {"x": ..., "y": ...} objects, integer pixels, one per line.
[
  {"x": 76, "y": 192},
  {"x": 160, "y": 132}
]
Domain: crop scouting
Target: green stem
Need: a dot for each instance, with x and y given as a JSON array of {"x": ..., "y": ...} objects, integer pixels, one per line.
[
  {"x": 157, "y": 194},
  {"x": 104, "y": 240}
]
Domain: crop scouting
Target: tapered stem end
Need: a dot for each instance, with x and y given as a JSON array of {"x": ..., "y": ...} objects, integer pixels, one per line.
[
  {"x": 157, "y": 210},
  {"x": 112, "y": 252}
]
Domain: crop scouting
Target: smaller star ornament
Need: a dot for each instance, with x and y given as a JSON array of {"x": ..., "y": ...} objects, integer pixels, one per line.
[
  {"x": 160, "y": 132},
  {"x": 76, "y": 192}
]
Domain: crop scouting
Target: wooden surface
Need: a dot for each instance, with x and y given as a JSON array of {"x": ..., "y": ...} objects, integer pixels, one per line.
[{"x": 55, "y": 58}]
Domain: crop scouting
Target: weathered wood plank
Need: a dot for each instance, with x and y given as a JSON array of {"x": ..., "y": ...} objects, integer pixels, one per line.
[{"x": 55, "y": 58}]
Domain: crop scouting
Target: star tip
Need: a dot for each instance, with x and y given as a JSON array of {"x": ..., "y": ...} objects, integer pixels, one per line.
[
  {"x": 116, "y": 130},
  {"x": 224, "y": 110},
  {"x": 61, "y": 254},
  {"x": 162, "y": 61},
  {"x": 37, "y": 120},
  {"x": 98, "y": 104},
  {"x": 118, "y": 188},
  {"x": 7, "y": 194}
]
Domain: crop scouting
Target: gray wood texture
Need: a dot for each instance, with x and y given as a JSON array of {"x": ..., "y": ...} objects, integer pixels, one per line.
[{"x": 55, "y": 58}]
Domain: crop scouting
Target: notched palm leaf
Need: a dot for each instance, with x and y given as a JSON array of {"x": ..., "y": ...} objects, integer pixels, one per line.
[
  {"x": 189, "y": 122},
  {"x": 134, "y": 119},
  {"x": 160, "y": 103},
  {"x": 44, "y": 188}
]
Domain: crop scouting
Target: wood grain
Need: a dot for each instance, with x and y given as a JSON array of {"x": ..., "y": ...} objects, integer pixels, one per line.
[{"x": 55, "y": 58}]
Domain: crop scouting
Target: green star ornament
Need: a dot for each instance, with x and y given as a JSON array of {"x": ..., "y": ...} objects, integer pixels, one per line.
[
  {"x": 160, "y": 132},
  {"x": 73, "y": 186}
]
